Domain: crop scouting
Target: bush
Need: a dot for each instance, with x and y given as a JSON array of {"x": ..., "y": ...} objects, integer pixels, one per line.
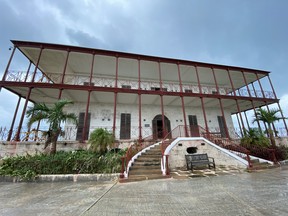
[
  {"x": 101, "y": 140},
  {"x": 253, "y": 137},
  {"x": 75, "y": 162}
]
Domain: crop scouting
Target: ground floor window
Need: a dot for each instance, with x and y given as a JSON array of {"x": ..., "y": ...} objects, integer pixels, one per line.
[
  {"x": 81, "y": 121},
  {"x": 125, "y": 126}
]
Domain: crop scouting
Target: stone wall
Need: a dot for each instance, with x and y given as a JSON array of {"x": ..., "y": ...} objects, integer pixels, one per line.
[
  {"x": 24, "y": 148},
  {"x": 178, "y": 152}
]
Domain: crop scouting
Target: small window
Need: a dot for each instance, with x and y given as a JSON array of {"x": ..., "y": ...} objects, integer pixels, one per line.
[
  {"x": 188, "y": 91},
  {"x": 158, "y": 89},
  {"x": 87, "y": 84},
  {"x": 126, "y": 86}
]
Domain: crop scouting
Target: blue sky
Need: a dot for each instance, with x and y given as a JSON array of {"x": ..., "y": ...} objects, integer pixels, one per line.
[{"x": 243, "y": 33}]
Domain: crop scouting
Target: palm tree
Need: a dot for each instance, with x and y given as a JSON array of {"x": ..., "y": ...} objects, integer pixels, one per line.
[
  {"x": 100, "y": 140},
  {"x": 54, "y": 116},
  {"x": 268, "y": 117}
]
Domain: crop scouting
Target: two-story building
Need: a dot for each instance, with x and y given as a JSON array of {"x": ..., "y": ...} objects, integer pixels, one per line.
[{"x": 135, "y": 96}]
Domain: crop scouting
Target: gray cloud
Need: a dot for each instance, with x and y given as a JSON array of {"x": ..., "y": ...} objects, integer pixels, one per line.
[{"x": 242, "y": 33}]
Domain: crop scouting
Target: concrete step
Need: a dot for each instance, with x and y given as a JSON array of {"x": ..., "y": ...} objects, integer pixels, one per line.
[
  {"x": 142, "y": 178},
  {"x": 144, "y": 171},
  {"x": 148, "y": 159},
  {"x": 145, "y": 167},
  {"x": 159, "y": 154},
  {"x": 262, "y": 166},
  {"x": 146, "y": 163}
]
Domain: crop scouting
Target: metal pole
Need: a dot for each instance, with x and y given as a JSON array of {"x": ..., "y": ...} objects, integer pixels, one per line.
[
  {"x": 37, "y": 64},
  {"x": 8, "y": 65},
  {"x": 278, "y": 104},
  {"x": 115, "y": 98},
  {"x": 140, "y": 103},
  {"x": 23, "y": 114},
  {"x": 182, "y": 100},
  {"x": 64, "y": 72},
  {"x": 224, "y": 119},
  {"x": 13, "y": 121},
  {"x": 161, "y": 99}
]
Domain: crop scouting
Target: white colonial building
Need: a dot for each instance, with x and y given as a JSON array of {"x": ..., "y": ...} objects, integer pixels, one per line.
[{"x": 134, "y": 96}]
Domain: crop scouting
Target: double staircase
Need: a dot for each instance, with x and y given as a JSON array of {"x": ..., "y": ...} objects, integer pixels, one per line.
[{"x": 146, "y": 166}]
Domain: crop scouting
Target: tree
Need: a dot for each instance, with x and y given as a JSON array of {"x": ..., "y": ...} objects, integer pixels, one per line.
[
  {"x": 54, "y": 116},
  {"x": 100, "y": 140},
  {"x": 268, "y": 117}
]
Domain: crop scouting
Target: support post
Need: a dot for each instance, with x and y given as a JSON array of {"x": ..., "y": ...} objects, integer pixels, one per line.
[
  {"x": 198, "y": 79},
  {"x": 115, "y": 98},
  {"x": 182, "y": 100},
  {"x": 263, "y": 94},
  {"x": 239, "y": 112},
  {"x": 224, "y": 119},
  {"x": 205, "y": 118},
  {"x": 37, "y": 64},
  {"x": 8, "y": 65},
  {"x": 63, "y": 74},
  {"x": 275, "y": 96},
  {"x": 161, "y": 100},
  {"x": 28, "y": 70},
  {"x": 239, "y": 124},
  {"x": 247, "y": 122},
  {"x": 13, "y": 121},
  {"x": 23, "y": 115},
  {"x": 84, "y": 132},
  {"x": 86, "y": 118},
  {"x": 258, "y": 123},
  {"x": 139, "y": 103}
]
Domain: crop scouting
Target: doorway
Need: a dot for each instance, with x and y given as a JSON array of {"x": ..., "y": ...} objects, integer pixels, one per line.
[
  {"x": 194, "y": 128},
  {"x": 157, "y": 127}
]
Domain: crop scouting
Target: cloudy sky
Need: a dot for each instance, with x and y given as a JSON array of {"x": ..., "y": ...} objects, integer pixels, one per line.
[{"x": 248, "y": 33}]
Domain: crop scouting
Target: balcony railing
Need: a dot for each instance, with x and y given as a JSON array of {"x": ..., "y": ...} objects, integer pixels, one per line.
[{"x": 21, "y": 76}]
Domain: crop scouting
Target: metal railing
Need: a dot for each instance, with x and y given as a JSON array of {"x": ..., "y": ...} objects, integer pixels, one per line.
[{"x": 21, "y": 76}]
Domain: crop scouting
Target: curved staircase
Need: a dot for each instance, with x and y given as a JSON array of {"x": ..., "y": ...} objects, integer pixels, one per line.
[{"x": 146, "y": 166}]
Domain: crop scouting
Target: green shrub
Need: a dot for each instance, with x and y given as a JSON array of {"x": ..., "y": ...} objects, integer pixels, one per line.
[
  {"x": 101, "y": 140},
  {"x": 254, "y": 137},
  {"x": 28, "y": 167}
]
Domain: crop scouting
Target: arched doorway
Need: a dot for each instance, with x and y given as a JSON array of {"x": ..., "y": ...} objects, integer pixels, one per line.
[{"x": 157, "y": 126}]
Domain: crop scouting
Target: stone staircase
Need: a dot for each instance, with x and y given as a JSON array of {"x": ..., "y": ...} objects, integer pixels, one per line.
[
  {"x": 257, "y": 165},
  {"x": 146, "y": 166}
]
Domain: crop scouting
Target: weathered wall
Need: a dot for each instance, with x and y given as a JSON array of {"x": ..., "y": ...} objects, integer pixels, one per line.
[
  {"x": 178, "y": 152},
  {"x": 23, "y": 148},
  {"x": 102, "y": 116},
  {"x": 282, "y": 141}
]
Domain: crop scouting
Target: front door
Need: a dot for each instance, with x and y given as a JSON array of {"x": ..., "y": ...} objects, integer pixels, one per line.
[
  {"x": 194, "y": 128},
  {"x": 157, "y": 126}
]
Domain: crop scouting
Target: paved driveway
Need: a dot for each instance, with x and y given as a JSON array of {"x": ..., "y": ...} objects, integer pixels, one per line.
[{"x": 261, "y": 193}]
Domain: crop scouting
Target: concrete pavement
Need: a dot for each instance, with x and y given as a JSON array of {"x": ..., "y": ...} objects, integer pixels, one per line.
[{"x": 259, "y": 193}]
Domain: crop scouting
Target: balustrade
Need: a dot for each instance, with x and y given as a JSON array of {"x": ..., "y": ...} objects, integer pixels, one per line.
[{"x": 20, "y": 76}]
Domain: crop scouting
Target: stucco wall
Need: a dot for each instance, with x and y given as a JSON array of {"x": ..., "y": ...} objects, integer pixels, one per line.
[
  {"x": 178, "y": 152},
  {"x": 102, "y": 116},
  {"x": 282, "y": 141},
  {"x": 23, "y": 148}
]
